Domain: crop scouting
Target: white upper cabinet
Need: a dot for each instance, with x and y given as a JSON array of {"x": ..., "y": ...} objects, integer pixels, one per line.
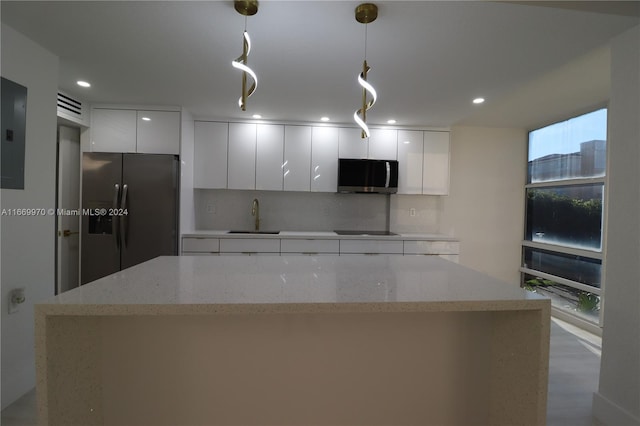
[
  {"x": 242, "y": 156},
  {"x": 435, "y": 166},
  {"x": 297, "y": 158},
  {"x": 127, "y": 130},
  {"x": 351, "y": 145},
  {"x": 113, "y": 130},
  {"x": 383, "y": 144},
  {"x": 269, "y": 154},
  {"x": 158, "y": 132},
  {"x": 210, "y": 154},
  {"x": 324, "y": 159},
  {"x": 410, "y": 161}
]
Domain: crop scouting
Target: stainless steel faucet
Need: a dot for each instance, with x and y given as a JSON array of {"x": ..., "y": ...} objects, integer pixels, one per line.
[{"x": 255, "y": 211}]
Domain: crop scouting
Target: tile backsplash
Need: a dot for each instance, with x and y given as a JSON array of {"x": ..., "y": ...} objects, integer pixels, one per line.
[{"x": 305, "y": 211}]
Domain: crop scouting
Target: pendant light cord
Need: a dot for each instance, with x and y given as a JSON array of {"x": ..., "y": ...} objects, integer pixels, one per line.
[{"x": 365, "y": 41}]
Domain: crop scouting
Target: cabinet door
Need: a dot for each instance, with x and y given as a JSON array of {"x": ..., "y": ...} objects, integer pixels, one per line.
[
  {"x": 200, "y": 245},
  {"x": 249, "y": 246},
  {"x": 370, "y": 247},
  {"x": 383, "y": 144},
  {"x": 324, "y": 159},
  {"x": 158, "y": 132},
  {"x": 410, "y": 162},
  {"x": 113, "y": 130},
  {"x": 297, "y": 158},
  {"x": 269, "y": 153},
  {"x": 242, "y": 156},
  {"x": 351, "y": 145},
  {"x": 210, "y": 154},
  {"x": 435, "y": 166}
]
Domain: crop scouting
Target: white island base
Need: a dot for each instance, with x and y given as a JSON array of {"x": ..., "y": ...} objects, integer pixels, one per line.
[{"x": 293, "y": 341}]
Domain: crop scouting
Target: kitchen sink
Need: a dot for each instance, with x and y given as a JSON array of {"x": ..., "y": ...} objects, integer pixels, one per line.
[{"x": 253, "y": 232}]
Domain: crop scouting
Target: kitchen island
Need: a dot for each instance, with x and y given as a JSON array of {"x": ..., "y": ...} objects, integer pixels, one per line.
[{"x": 327, "y": 340}]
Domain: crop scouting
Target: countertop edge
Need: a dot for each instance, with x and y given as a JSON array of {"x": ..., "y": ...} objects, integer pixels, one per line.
[
  {"x": 320, "y": 236},
  {"x": 47, "y": 309}
]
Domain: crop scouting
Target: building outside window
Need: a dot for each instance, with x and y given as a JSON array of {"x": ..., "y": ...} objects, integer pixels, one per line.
[{"x": 565, "y": 190}]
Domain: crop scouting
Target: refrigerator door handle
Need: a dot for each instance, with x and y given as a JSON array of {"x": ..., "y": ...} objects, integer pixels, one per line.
[
  {"x": 386, "y": 184},
  {"x": 114, "y": 218},
  {"x": 123, "y": 215}
]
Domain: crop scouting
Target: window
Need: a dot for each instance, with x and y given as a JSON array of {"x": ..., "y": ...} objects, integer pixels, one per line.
[{"x": 562, "y": 249}]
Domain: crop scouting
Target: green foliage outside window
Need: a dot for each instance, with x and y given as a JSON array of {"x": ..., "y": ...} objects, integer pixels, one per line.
[{"x": 562, "y": 217}]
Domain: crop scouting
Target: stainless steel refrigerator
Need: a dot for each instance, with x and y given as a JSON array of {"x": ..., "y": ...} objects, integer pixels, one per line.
[{"x": 130, "y": 211}]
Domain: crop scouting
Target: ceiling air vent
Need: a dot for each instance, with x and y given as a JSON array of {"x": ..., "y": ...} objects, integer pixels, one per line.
[
  {"x": 69, "y": 105},
  {"x": 72, "y": 109}
]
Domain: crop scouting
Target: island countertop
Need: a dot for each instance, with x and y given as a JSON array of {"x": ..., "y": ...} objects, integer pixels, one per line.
[
  {"x": 263, "y": 284},
  {"x": 326, "y": 340}
]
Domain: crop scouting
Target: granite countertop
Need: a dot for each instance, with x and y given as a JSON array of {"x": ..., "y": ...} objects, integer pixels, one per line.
[
  {"x": 287, "y": 284},
  {"x": 317, "y": 235}
]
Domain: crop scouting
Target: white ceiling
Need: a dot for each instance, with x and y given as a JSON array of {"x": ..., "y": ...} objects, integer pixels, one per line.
[{"x": 429, "y": 59}]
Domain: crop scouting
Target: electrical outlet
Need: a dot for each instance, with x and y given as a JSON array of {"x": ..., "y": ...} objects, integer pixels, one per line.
[
  {"x": 16, "y": 298},
  {"x": 211, "y": 209},
  {"x": 412, "y": 212}
]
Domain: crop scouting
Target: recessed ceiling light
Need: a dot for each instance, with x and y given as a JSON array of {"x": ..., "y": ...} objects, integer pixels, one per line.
[
  {"x": 256, "y": 116},
  {"x": 392, "y": 121},
  {"x": 324, "y": 118},
  {"x": 83, "y": 83},
  {"x": 478, "y": 100},
  {"x": 146, "y": 119}
]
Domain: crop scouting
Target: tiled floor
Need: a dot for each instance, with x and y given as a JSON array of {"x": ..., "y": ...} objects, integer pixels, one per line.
[{"x": 574, "y": 367}]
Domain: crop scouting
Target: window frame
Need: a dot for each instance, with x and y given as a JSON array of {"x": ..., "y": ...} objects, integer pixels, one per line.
[{"x": 587, "y": 253}]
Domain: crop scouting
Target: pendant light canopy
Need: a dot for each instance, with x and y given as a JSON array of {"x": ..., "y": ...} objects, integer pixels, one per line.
[
  {"x": 365, "y": 14},
  {"x": 246, "y": 8}
]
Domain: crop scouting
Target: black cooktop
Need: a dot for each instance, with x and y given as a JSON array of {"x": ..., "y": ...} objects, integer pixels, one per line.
[{"x": 340, "y": 232}]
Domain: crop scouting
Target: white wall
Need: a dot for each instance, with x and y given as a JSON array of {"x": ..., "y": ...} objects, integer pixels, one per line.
[
  {"x": 28, "y": 243},
  {"x": 187, "y": 211},
  {"x": 485, "y": 205},
  {"x": 617, "y": 401}
]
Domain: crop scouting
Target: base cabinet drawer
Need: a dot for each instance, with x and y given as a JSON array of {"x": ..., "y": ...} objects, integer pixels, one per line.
[
  {"x": 311, "y": 247},
  {"x": 249, "y": 245},
  {"x": 431, "y": 247},
  {"x": 370, "y": 247},
  {"x": 200, "y": 245}
]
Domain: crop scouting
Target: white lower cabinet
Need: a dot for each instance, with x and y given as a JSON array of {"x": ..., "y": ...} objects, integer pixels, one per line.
[
  {"x": 370, "y": 247},
  {"x": 249, "y": 245},
  {"x": 200, "y": 245},
  {"x": 311, "y": 246},
  {"x": 431, "y": 247}
]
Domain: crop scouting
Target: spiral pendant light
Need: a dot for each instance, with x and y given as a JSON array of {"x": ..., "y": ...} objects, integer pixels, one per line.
[
  {"x": 246, "y": 8},
  {"x": 365, "y": 13}
]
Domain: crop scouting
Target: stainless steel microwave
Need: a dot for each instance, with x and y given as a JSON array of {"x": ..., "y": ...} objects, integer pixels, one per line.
[{"x": 367, "y": 176}]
